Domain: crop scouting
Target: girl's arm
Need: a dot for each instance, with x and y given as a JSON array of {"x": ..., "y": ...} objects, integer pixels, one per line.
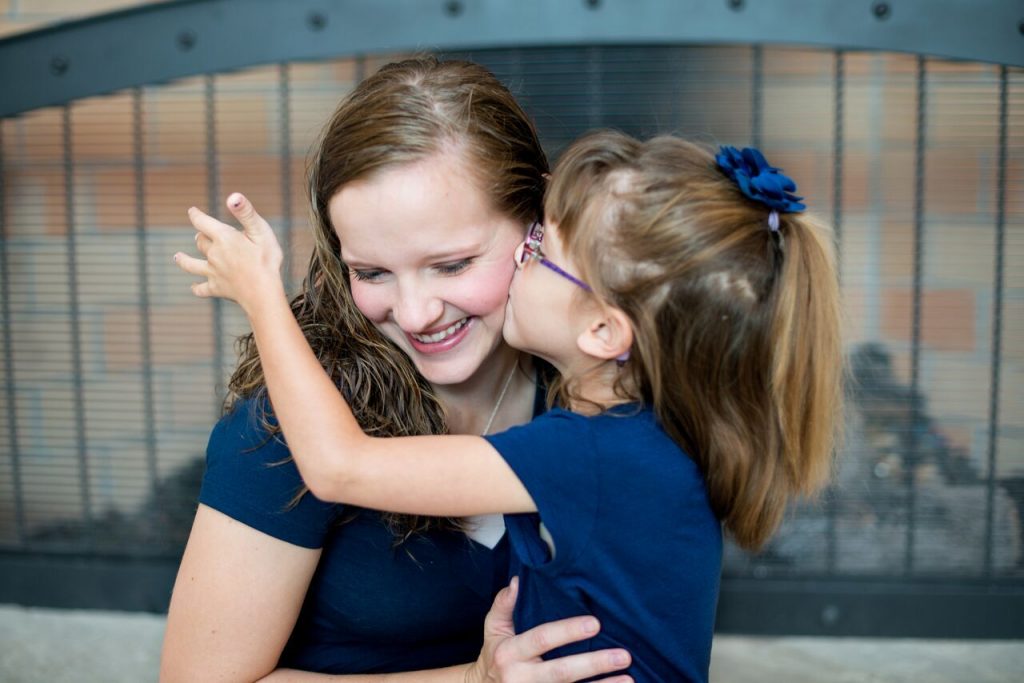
[{"x": 431, "y": 475}]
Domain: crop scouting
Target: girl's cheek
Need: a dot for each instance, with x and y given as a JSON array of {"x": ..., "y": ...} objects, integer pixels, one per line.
[{"x": 370, "y": 300}]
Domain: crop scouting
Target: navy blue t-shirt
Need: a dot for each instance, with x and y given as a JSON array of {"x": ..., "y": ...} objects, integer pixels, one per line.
[
  {"x": 636, "y": 542},
  {"x": 372, "y": 606}
]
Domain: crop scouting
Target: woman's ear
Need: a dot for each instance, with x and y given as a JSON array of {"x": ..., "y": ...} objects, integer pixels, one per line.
[{"x": 609, "y": 335}]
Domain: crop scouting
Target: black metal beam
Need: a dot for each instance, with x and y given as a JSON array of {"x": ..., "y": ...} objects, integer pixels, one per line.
[
  {"x": 884, "y": 609},
  {"x": 821, "y": 607},
  {"x": 164, "y": 41}
]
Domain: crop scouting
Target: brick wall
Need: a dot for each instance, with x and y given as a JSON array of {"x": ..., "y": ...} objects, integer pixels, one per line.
[{"x": 115, "y": 262}]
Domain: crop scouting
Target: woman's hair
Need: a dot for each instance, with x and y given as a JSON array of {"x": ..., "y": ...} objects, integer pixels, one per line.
[
  {"x": 737, "y": 342},
  {"x": 406, "y": 112}
]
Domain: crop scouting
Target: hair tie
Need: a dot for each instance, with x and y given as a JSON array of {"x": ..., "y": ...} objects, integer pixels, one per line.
[{"x": 760, "y": 181}]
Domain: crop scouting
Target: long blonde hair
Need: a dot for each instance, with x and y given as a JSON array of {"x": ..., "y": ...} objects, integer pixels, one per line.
[
  {"x": 406, "y": 112},
  {"x": 737, "y": 343}
]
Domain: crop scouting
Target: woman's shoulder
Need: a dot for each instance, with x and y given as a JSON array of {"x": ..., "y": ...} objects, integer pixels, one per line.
[{"x": 251, "y": 477}]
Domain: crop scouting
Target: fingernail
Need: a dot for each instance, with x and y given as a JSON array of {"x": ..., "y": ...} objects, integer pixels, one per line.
[
  {"x": 620, "y": 659},
  {"x": 175, "y": 258},
  {"x": 235, "y": 200},
  {"x": 591, "y": 625}
]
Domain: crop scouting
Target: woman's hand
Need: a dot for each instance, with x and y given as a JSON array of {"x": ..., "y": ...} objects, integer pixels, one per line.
[
  {"x": 510, "y": 658},
  {"x": 244, "y": 266}
]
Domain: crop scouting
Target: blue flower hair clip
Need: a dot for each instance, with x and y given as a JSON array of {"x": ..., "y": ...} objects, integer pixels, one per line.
[{"x": 759, "y": 181}]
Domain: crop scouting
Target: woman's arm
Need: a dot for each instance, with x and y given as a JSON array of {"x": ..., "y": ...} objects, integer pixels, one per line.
[
  {"x": 235, "y": 601},
  {"x": 431, "y": 475},
  {"x": 238, "y": 593},
  {"x": 506, "y": 657}
]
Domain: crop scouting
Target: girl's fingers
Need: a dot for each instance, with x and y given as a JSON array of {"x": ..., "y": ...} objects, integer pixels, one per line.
[
  {"x": 192, "y": 265},
  {"x": 203, "y": 243},
  {"x": 245, "y": 212},
  {"x": 202, "y": 289},
  {"x": 208, "y": 225}
]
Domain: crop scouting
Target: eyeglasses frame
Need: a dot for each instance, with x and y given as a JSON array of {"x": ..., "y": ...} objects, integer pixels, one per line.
[{"x": 531, "y": 250}]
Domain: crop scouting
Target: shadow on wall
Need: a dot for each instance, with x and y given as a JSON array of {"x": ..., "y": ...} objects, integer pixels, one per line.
[
  {"x": 160, "y": 526},
  {"x": 898, "y": 478}
]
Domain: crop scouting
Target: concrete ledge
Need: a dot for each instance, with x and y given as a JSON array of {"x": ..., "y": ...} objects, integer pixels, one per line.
[{"x": 40, "y": 645}]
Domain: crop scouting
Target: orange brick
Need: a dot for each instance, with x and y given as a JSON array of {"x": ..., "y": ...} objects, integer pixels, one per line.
[
  {"x": 113, "y": 198},
  {"x": 179, "y": 333},
  {"x": 259, "y": 178},
  {"x": 171, "y": 190},
  {"x": 36, "y": 137},
  {"x": 954, "y": 181},
  {"x": 101, "y": 129},
  {"x": 813, "y": 63},
  {"x": 243, "y": 123},
  {"x": 947, "y": 318},
  {"x": 856, "y": 178},
  {"x": 175, "y": 122},
  {"x": 35, "y": 202}
]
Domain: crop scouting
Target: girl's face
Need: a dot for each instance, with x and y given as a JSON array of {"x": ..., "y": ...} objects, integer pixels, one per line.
[
  {"x": 544, "y": 313},
  {"x": 430, "y": 262}
]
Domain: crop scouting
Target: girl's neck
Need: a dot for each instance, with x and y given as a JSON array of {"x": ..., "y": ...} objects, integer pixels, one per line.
[
  {"x": 594, "y": 390},
  {"x": 500, "y": 392}
]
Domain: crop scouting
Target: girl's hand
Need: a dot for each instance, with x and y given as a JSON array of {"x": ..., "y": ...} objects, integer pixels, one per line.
[
  {"x": 510, "y": 658},
  {"x": 244, "y": 266}
]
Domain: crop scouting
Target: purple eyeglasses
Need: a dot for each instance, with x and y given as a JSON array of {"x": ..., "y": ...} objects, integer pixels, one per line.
[{"x": 531, "y": 249}]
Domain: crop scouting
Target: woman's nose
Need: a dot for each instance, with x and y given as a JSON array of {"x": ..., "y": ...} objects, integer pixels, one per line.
[{"x": 418, "y": 308}]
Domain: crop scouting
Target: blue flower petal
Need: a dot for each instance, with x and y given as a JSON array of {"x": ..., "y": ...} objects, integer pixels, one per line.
[{"x": 757, "y": 179}]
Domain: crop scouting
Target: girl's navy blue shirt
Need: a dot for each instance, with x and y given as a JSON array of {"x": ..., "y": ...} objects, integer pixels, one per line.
[
  {"x": 373, "y": 606},
  {"x": 636, "y": 543}
]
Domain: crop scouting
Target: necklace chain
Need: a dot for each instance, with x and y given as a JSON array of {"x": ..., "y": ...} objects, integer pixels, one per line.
[{"x": 501, "y": 397}]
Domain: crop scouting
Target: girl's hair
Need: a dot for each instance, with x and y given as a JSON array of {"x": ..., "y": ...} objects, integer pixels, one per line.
[
  {"x": 406, "y": 112},
  {"x": 736, "y": 331}
]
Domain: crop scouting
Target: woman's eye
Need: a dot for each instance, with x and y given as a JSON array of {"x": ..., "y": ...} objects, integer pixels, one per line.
[
  {"x": 367, "y": 275},
  {"x": 454, "y": 267}
]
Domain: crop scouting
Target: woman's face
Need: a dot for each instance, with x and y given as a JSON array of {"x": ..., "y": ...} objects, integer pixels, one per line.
[{"x": 430, "y": 262}]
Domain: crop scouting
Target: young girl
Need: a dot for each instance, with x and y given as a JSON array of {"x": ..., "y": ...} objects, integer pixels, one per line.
[{"x": 693, "y": 317}]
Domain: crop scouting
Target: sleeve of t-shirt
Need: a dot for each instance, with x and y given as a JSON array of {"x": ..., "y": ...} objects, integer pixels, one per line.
[
  {"x": 251, "y": 478},
  {"x": 554, "y": 457}
]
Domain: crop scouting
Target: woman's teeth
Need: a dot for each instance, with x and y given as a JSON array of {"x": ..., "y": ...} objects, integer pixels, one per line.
[{"x": 439, "y": 336}]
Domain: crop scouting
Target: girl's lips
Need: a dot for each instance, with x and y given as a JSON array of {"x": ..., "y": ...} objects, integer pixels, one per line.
[{"x": 445, "y": 344}]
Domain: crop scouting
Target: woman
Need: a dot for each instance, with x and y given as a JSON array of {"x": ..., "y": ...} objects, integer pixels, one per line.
[{"x": 425, "y": 181}]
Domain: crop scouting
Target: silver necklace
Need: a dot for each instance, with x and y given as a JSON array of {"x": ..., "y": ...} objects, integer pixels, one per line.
[{"x": 501, "y": 397}]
